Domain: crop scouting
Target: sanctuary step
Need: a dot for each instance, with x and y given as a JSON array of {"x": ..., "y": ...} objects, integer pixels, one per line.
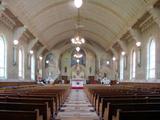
[{"x": 77, "y": 107}]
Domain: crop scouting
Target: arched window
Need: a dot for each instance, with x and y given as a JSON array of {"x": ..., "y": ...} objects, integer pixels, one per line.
[
  {"x": 151, "y": 59},
  {"x": 133, "y": 65},
  {"x": 121, "y": 68},
  {"x": 3, "y": 61},
  {"x": 21, "y": 64},
  {"x": 32, "y": 67}
]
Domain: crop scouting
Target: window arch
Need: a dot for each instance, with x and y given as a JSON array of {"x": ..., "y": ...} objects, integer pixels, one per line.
[
  {"x": 3, "y": 60},
  {"x": 21, "y": 63},
  {"x": 133, "y": 65},
  {"x": 32, "y": 67},
  {"x": 121, "y": 67},
  {"x": 151, "y": 59}
]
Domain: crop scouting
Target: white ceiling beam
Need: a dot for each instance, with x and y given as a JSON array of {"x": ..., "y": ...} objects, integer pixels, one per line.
[
  {"x": 40, "y": 51},
  {"x": 18, "y": 32},
  {"x": 155, "y": 12},
  {"x": 135, "y": 34},
  {"x": 32, "y": 43},
  {"x": 114, "y": 52},
  {"x": 123, "y": 45}
]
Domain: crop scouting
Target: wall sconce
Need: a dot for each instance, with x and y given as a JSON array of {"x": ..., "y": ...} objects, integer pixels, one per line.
[
  {"x": 15, "y": 42},
  {"x": 123, "y": 53},
  {"x": 138, "y": 44},
  {"x": 31, "y": 52},
  {"x": 47, "y": 61},
  {"x": 40, "y": 57},
  {"x": 114, "y": 59}
]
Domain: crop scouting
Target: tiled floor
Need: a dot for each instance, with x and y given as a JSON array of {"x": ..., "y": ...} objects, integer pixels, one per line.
[{"x": 77, "y": 107}]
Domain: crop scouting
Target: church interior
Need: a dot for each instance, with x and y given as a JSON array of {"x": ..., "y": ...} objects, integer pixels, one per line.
[{"x": 79, "y": 59}]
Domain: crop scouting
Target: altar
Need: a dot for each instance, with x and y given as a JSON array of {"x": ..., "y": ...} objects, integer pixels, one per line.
[
  {"x": 78, "y": 77},
  {"x": 77, "y": 83}
]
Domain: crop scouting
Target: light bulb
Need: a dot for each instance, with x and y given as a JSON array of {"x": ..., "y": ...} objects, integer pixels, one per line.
[
  {"x": 123, "y": 53},
  {"x": 31, "y": 51},
  {"x": 72, "y": 40},
  {"x": 77, "y": 60},
  {"x": 15, "y": 42},
  {"x": 107, "y": 62},
  {"x": 78, "y": 49},
  {"x": 83, "y": 40},
  {"x": 138, "y": 44},
  {"x": 78, "y": 3},
  {"x": 47, "y": 61},
  {"x": 77, "y": 38},
  {"x": 40, "y": 57},
  {"x": 113, "y": 58}
]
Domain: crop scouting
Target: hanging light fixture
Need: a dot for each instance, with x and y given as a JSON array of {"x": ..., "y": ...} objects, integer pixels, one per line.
[
  {"x": 114, "y": 59},
  {"x": 107, "y": 62},
  {"x": 31, "y": 52},
  {"x": 47, "y": 61},
  {"x": 78, "y": 60},
  {"x": 123, "y": 53},
  {"x": 40, "y": 57},
  {"x": 78, "y": 39},
  {"x": 78, "y": 55},
  {"x": 138, "y": 44},
  {"x": 78, "y": 49},
  {"x": 15, "y": 42},
  {"x": 78, "y": 3}
]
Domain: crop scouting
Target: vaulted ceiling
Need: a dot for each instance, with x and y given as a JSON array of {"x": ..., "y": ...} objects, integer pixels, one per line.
[{"x": 53, "y": 21}]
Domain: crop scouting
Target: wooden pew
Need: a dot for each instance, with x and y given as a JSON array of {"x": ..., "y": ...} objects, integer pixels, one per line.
[
  {"x": 56, "y": 103},
  {"x": 42, "y": 107},
  {"x": 137, "y": 92},
  {"x": 105, "y": 102},
  {"x": 113, "y": 107},
  {"x": 137, "y": 115},
  {"x": 20, "y": 115},
  {"x": 54, "y": 96},
  {"x": 30, "y": 100}
]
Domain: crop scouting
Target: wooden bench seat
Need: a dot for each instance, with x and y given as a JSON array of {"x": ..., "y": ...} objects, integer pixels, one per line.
[
  {"x": 43, "y": 108},
  {"x": 50, "y": 101},
  {"x": 105, "y": 102},
  {"x": 46, "y": 99},
  {"x": 137, "y": 115},
  {"x": 112, "y": 108},
  {"x": 99, "y": 100},
  {"x": 20, "y": 115}
]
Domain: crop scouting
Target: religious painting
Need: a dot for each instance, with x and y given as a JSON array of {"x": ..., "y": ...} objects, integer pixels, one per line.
[{"x": 50, "y": 59}]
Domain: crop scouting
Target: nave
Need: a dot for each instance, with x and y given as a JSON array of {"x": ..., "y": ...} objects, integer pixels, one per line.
[
  {"x": 107, "y": 49},
  {"x": 77, "y": 107},
  {"x": 123, "y": 101}
]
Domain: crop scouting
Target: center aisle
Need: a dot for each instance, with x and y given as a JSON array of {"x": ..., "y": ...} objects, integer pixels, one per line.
[{"x": 77, "y": 107}]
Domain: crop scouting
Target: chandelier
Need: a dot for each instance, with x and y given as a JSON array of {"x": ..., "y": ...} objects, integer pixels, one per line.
[
  {"x": 78, "y": 55},
  {"x": 78, "y": 40},
  {"x": 78, "y": 3}
]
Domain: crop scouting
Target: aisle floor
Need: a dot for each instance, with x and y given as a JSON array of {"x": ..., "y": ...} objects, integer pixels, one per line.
[{"x": 77, "y": 107}]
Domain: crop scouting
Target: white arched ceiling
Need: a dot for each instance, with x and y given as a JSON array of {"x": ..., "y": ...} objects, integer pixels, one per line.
[{"x": 104, "y": 21}]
